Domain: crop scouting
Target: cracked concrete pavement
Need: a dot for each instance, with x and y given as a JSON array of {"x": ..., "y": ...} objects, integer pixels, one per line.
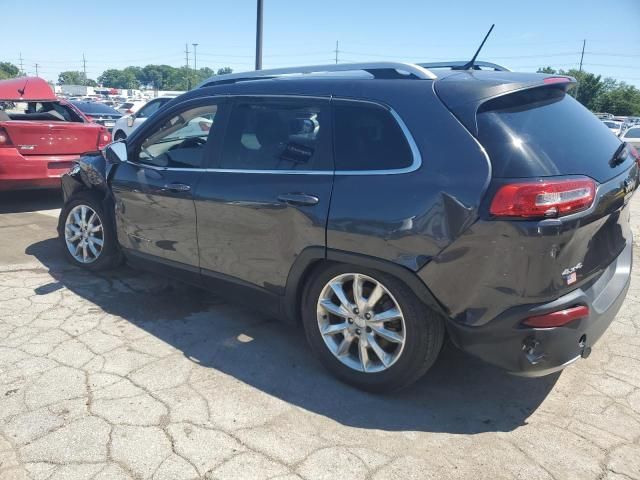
[{"x": 125, "y": 375}]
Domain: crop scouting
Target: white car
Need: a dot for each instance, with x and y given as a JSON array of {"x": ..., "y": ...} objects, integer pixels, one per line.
[
  {"x": 128, "y": 123},
  {"x": 632, "y": 137},
  {"x": 131, "y": 106},
  {"x": 615, "y": 127}
]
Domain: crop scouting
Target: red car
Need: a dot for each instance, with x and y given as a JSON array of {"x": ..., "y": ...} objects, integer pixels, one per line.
[{"x": 40, "y": 135}]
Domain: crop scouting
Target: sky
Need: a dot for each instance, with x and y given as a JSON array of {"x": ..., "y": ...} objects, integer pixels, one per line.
[{"x": 528, "y": 34}]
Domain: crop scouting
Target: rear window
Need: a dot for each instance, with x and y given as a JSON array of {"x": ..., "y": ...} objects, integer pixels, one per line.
[
  {"x": 367, "y": 137},
  {"x": 632, "y": 133},
  {"x": 87, "y": 107},
  {"x": 545, "y": 132}
]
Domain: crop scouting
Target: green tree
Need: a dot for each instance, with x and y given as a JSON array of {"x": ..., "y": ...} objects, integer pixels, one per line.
[
  {"x": 8, "y": 70},
  {"x": 548, "y": 70},
  {"x": 71, "y": 77},
  {"x": 620, "y": 99},
  {"x": 225, "y": 70}
]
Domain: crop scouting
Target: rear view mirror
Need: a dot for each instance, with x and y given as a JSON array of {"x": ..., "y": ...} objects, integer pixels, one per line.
[{"x": 116, "y": 152}]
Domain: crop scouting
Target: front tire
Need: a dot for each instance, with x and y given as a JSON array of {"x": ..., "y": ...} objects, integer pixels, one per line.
[
  {"x": 369, "y": 329},
  {"x": 87, "y": 234}
]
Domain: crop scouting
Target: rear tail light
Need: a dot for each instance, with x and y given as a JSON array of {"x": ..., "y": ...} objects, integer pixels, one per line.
[
  {"x": 547, "y": 199},
  {"x": 5, "y": 140},
  {"x": 104, "y": 138},
  {"x": 557, "y": 319},
  {"x": 129, "y": 111},
  {"x": 557, "y": 80}
]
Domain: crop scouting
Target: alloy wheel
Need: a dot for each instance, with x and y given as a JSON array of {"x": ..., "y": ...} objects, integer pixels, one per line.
[
  {"x": 83, "y": 234},
  {"x": 361, "y": 322}
]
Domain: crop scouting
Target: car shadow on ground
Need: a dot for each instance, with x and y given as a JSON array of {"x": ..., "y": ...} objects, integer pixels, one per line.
[
  {"x": 22, "y": 201},
  {"x": 458, "y": 395}
]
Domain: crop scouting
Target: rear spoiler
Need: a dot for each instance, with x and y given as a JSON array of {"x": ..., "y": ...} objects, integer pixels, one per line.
[{"x": 463, "y": 93}]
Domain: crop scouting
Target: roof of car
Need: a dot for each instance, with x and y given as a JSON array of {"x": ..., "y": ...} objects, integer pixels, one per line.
[{"x": 26, "y": 89}]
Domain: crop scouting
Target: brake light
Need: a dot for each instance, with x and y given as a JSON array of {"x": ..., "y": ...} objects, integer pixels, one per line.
[
  {"x": 546, "y": 199},
  {"x": 104, "y": 138},
  {"x": 557, "y": 80},
  {"x": 90, "y": 118},
  {"x": 557, "y": 319},
  {"x": 5, "y": 140},
  {"x": 129, "y": 111}
]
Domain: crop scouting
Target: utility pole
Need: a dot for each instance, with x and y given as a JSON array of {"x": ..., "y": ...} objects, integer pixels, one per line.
[
  {"x": 36, "y": 69},
  {"x": 84, "y": 69},
  {"x": 259, "y": 36},
  {"x": 186, "y": 58},
  {"x": 584, "y": 42},
  {"x": 21, "y": 69},
  {"x": 337, "y": 52},
  {"x": 195, "y": 59}
]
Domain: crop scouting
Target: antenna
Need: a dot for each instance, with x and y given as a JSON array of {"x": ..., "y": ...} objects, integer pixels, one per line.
[{"x": 469, "y": 64}]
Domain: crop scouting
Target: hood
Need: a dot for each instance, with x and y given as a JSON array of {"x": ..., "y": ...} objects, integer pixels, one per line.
[{"x": 26, "y": 89}]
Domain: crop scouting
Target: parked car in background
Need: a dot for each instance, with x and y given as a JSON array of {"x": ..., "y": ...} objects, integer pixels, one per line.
[
  {"x": 129, "y": 107},
  {"x": 632, "y": 137},
  {"x": 40, "y": 135},
  {"x": 128, "y": 123},
  {"x": 614, "y": 126},
  {"x": 326, "y": 201},
  {"x": 99, "y": 113}
]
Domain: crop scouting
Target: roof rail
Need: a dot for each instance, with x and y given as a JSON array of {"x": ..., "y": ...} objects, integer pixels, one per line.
[
  {"x": 377, "y": 69},
  {"x": 458, "y": 64}
]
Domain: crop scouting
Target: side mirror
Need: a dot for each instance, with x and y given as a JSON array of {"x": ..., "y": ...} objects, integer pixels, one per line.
[
  {"x": 130, "y": 120},
  {"x": 116, "y": 152}
]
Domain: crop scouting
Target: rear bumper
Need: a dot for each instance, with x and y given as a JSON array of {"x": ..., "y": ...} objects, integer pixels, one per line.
[
  {"x": 19, "y": 172},
  {"x": 504, "y": 342}
]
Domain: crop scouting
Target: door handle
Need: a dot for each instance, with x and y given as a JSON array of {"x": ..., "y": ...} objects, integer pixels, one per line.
[
  {"x": 299, "y": 199},
  {"x": 177, "y": 187}
]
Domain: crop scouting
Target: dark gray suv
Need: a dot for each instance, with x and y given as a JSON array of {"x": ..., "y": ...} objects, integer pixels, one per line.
[{"x": 385, "y": 206}]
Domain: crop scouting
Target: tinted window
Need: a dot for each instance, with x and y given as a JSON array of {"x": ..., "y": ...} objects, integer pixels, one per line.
[
  {"x": 367, "y": 137},
  {"x": 632, "y": 133},
  {"x": 87, "y": 107},
  {"x": 282, "y": 134},
  {"x": 545, "y": 132},
  {"x": 179, "y": 142}
]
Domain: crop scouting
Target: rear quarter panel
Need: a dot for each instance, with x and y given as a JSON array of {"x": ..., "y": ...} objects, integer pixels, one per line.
[{"x": 409, "y": 218}]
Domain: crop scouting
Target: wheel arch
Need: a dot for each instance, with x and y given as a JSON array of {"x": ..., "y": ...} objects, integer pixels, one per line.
[{"x": 313, "y": 258}]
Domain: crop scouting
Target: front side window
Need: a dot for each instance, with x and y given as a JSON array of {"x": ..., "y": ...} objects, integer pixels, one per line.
[
  {"x": 179, "y": 142},
  {"x": 367, "y": 137},
  {"x": 278, "y": 134}
]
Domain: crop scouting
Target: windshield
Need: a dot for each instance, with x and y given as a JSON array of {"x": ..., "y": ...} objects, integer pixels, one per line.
[{"x": 545, "y": 132}]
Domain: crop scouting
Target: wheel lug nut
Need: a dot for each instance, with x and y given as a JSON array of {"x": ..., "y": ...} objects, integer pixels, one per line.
[
  {"x": 368, "y": 329},
  {"x": 357, "y": 331},
  {"x": 350, "y": 320},
  {"x": 367, "y": 316},
  {"x": 356, "y": 311}
]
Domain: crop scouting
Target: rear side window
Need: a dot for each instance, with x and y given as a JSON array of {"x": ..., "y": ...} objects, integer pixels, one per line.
[
  {"x": 545, "y": 132},
  {"x": 278, "y": 134},
  {"x": 367, "y": 137}
]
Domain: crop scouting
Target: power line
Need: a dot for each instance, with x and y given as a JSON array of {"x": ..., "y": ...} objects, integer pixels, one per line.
[{"x": 337, "y": 51}]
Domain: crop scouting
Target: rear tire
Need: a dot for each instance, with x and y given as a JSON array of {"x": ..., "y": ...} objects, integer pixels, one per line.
[
  {"x": 380, "y": 357},
  {"x": 86, "y": 233}
]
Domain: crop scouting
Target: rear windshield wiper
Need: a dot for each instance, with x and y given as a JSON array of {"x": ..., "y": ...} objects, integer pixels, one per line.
[{"x": 618, "y": 158}]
